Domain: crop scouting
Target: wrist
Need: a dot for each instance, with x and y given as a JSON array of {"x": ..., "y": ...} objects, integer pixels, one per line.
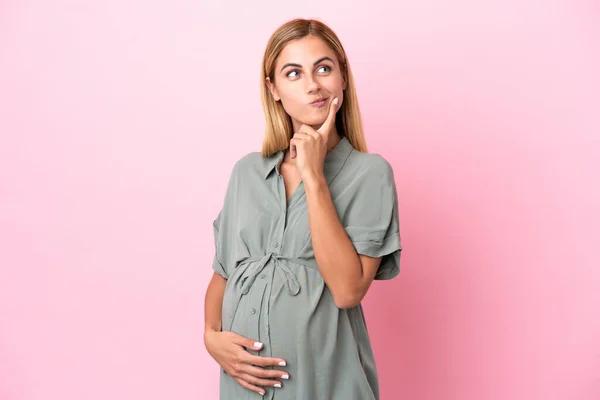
[
  {"x": 314, "y": 181},
  {"x": 210, "y": 329},
  {"x": 209, "y": 334}
]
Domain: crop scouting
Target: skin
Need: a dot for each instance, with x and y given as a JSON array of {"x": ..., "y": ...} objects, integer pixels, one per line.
[{"x": 306, "y": 70}]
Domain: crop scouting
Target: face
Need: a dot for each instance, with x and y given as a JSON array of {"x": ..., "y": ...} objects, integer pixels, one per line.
[{"x": 305, "y": 71}]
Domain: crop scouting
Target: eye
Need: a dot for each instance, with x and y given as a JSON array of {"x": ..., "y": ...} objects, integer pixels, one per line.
[
  {"x": 289, "y": 74},
  {"x": 327, "y": 68}
]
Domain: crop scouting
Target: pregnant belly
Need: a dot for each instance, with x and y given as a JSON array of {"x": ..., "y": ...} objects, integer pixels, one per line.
[{"x": 276, "y": 302}]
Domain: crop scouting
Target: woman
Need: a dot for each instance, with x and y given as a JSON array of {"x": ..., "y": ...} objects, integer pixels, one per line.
[{"x": 305, "y": 227}]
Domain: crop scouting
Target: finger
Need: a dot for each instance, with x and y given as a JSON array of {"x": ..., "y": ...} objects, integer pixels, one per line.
[
  {"x": 308, "y": 131},
  {"x": 265, "y": 373},
  {"x": 250, "y": 386},
  {"x": 257, "y": 381},
  {"x": 328, "y": 124},
  {"x": 265, "y": 361},
  {"x": 300, "y": 134},
  {"x": 247, "y": 343},
  {"x": 294, "y": 142}
]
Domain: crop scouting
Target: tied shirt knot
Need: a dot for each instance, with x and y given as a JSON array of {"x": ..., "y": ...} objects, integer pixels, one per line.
[{"x": 284, "y": 271}]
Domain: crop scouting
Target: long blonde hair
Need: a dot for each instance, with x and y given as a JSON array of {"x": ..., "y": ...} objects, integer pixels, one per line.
[{"x": 278, "y": 126}]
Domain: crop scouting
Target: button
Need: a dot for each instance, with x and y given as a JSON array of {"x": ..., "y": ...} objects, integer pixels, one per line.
[
  {"x": 253, "y": 310},
  {"x": 276, "y": 245},
  {"x": 263, "y": 276}
]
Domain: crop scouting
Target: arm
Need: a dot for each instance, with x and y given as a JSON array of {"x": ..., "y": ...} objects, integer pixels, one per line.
[
  {"x": 213, "y": 303},
  {"x": 347, "y": 274}
]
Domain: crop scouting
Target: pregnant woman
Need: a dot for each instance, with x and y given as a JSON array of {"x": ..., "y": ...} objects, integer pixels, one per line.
[{"x": 306, "y": 225}]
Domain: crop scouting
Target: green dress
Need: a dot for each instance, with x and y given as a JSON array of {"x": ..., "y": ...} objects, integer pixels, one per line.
[{"x": 275, "y": 293}]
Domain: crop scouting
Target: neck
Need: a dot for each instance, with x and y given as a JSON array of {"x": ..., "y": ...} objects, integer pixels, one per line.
[{"x": 333, "y": 140}]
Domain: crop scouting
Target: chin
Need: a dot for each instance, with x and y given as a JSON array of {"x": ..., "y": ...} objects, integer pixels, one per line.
[{"x": 312, "y": 121}]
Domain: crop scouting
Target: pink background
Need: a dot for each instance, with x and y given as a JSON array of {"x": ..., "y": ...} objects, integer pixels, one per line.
[{"x": 121, "y": 120}]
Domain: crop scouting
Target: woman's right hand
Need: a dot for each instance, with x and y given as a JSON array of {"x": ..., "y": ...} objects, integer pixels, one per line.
[{"x": 229, "y": 350}]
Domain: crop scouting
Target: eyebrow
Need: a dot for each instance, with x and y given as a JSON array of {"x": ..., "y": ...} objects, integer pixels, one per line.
[{"x": 300, "y": 66}]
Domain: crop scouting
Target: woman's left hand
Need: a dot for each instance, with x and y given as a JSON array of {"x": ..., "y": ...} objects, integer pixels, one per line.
[{"x": 309, "y": 146}]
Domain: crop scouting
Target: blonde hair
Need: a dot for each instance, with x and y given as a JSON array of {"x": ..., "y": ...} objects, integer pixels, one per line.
[{"x": 278, "y": 126}]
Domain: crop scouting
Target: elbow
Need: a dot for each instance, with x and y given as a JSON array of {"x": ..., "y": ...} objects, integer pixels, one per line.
[
  {"x": 346, "y": 305},
  {"x": 348, "y": 300},
  {"x": 349, "y": 293}
]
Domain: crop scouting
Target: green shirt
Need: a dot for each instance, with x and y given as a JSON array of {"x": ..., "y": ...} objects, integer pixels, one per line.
[{"x": 275, "y": 293}]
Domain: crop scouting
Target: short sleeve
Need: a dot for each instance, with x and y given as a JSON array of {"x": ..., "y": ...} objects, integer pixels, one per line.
[
  {"x": 217, "y": 263},
  {"x": 222, "y": 227},
  {"x": 372, "y": 221}
]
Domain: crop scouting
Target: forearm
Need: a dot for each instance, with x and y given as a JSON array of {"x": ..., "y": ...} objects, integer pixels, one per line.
[
  {"x": 338, "y": 261},
  {"x": 213, "y": 303}
]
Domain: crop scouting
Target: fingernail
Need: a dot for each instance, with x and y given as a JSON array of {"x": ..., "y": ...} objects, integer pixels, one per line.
[
  {"x": 282, "y": 363},
  {"x": 261, "y": 393},
  {"x": 277, "y": 385},
  {"x": 257, "y": 344},
  {"x": 335, "y": 101},
  {"x": 286, "y": 376}
]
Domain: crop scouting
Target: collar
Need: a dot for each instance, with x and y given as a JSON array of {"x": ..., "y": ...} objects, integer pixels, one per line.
[{"x": 334, "y": 160}]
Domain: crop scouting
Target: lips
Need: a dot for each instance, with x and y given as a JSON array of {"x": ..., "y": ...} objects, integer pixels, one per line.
[{"x": 319, "y": 102}]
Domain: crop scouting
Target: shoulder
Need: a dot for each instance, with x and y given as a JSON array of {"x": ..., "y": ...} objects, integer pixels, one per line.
[
  {"x": 252, "y": 168},
  {"x": 248, "y": 160},
  {"x": 250, "y": 163},
  {"x": 369, "y": 165}
]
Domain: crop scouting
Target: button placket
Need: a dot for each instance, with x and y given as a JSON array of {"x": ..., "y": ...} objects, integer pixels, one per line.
[
  {"x": 254, "y": 310},
  {"x": 282, "y": 220}
]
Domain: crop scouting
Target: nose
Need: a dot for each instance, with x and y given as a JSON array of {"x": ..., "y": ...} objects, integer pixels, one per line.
[{"x": 312, "y": 84}]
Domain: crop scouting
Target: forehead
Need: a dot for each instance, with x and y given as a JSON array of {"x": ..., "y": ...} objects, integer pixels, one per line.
[{"x": 304, "y": 51}]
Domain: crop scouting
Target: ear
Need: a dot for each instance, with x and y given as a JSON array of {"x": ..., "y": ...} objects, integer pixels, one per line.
[
  {"x": 272, "y": 89},
  {"x": 345, "y": 83}
]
